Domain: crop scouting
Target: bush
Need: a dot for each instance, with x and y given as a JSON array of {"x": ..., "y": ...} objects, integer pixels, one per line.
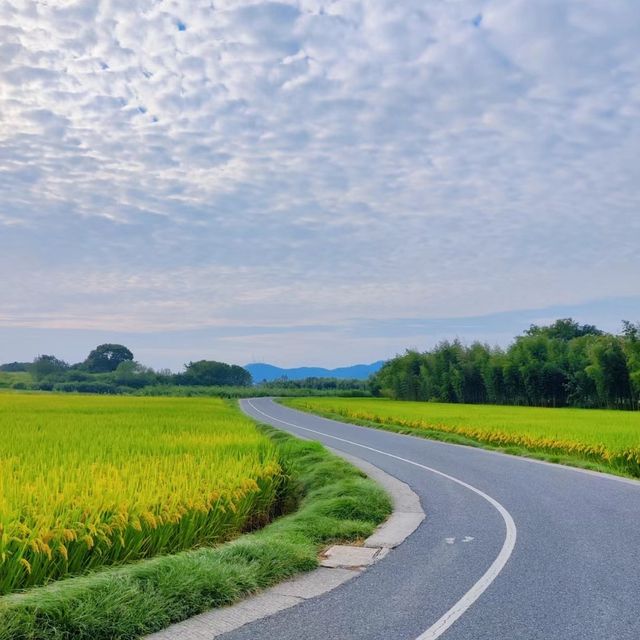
[{"x": 88, "y": 387}]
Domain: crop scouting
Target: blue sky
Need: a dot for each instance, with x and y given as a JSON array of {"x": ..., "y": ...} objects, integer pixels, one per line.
[{"x": 313, "y": 182}]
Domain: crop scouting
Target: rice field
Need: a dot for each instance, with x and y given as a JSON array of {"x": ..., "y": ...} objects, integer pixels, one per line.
[
  {"x": 88, "y": 481},
  {"x": 608, "y": 438}
]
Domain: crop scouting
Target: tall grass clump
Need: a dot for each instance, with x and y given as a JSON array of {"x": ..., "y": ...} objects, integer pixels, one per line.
[{"x": 88, "y": 482}]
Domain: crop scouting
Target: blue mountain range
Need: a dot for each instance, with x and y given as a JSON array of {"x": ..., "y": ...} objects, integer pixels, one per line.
[{"x": 262, "y": 371}]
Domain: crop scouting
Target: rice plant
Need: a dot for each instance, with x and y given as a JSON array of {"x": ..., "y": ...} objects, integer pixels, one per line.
[
  {"x": 605, "y": 437},
  {"x": 89, "y": 481}
]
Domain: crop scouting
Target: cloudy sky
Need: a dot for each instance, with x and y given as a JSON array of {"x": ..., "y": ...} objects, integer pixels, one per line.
[{"x": 313, "y": 181}]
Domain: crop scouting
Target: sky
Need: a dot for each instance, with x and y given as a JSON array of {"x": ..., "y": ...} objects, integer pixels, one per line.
[{"x": 313, "y": 182}]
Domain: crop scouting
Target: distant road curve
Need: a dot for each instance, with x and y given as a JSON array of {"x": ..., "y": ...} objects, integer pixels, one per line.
[{"x": 511, "y": 549}]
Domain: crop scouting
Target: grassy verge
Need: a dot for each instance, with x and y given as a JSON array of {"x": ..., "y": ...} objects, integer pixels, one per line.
[
  {"x": 620, "y": 465},
  {"x": 334, "y": 501}
]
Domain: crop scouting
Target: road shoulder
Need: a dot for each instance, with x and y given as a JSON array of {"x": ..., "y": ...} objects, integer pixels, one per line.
[{"x": 340, "y": 563}]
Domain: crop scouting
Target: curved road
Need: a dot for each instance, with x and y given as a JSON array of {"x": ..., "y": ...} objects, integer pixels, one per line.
[{"x": 511, "y": 549}]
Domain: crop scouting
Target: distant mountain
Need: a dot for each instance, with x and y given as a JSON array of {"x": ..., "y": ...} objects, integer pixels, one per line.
[{"x": 261, "y": 371}]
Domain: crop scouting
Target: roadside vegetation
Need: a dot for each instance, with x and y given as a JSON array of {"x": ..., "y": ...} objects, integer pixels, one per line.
[
  {"x": 135, "y": 501},
  {"x": 605, "y": 440}
]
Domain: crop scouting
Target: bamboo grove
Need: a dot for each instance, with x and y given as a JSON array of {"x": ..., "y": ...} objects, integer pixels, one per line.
[{"x": 564, "y": 364}]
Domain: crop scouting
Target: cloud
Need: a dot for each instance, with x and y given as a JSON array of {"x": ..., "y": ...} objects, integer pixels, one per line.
[{"x": 188, "y": 163}]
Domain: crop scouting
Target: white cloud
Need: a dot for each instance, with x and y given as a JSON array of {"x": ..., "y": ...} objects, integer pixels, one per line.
[{"x": 168, "y": 163}]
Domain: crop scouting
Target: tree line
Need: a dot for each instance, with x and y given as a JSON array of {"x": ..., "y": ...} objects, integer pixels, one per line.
[
  {"x": 111, "y": 368},
  {"x": 330, "y": 386},
  {"x": 563, "y": 364}
]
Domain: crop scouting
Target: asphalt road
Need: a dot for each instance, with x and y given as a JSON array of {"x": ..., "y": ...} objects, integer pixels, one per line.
[{"x": 510, "y": 549}]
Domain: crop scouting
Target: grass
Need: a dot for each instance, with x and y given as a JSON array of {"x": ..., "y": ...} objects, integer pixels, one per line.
[
  {"x": 334, "y": 502},
  {"x": 93, "y": 481},
  {"x": 602, "y": 440}
]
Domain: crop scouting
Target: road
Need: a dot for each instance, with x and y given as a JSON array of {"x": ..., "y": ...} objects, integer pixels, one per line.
[{"x": 510, "y": 549}]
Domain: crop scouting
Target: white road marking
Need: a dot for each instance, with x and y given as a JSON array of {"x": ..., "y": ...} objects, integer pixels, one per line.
[
  {"x": 450, "y": 540},
  {"x": 459, "y": 608},
  {"x": 467, "y": 539}
]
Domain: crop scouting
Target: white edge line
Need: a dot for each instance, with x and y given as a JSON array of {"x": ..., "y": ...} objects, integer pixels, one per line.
[
  {"x": 459, "y": 608},
  {"x": 603, "y": 475}
]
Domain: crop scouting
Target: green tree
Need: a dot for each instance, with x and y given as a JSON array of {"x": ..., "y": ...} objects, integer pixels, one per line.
[
  {"x": 106, "y": 357},
  {"x": 581, "y": 388},
  {"x": 44, "y": 366},
  {"x": 15, "y": 367},
  {"x": 610, "y": 373},
  {"x": 212, "y": 373},
  {"x": 564, "y": 363},
  {"x": 631, "y": 346},
  {"x": 132, "y": 374},
  {"x": 564, "y": 329}
]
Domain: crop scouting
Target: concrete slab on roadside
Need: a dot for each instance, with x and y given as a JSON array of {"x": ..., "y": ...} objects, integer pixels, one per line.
[
  {"x": 310, "y": 585},
  {"x": 395, "y": 530},
  {"x": 340, "y": 564}
]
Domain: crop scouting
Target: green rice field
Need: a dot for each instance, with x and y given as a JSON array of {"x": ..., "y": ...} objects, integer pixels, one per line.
[
  {"x": 89, "y": 481},
  {"x": 610, "y": 439}
]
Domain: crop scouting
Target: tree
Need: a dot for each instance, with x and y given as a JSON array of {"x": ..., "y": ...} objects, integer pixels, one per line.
[
  {"x": 609, "y": 370},
  {"x": 211, "y": 373},
  {"x": 631, "y": 346},
  {"x": 581, "y": 388},
  {"x": 564, "y": 363},
  {"x": 106, "y": 357},
  {"x": 132, "y": 374},
  {"x": 15, "y": 367},
  {"x": 564, "y": 329},
  {"x": 631, "y": 331},
  {"x": 44, "y": 366}
]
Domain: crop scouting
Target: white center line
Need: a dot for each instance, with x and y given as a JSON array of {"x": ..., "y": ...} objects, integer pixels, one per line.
[{"x": 459, "y": 608}]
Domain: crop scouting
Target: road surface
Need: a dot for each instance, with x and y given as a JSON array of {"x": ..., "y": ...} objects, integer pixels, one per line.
[{"x": 510, "y": 549}]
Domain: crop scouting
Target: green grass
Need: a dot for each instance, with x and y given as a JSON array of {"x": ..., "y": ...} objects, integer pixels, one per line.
[
  {"x": 334, "y": 502},
  {"x": 597, "y": 439}
]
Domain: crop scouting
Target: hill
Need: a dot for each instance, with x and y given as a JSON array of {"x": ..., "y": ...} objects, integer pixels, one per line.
[{"x": 262, "y": 371}]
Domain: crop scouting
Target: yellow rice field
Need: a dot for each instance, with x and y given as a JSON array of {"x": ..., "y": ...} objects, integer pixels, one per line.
[
  {"x": 88, "y": 481},
  {"x": 607, "y": 437}
]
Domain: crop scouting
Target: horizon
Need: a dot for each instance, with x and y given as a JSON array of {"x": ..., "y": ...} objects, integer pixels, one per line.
[{"x": 493, "y": 329}]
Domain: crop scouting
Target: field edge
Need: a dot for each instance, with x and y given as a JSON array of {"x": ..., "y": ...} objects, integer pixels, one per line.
[
  {"x": 336, "y": 503},
  {"x": 453, "y": 438}
]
